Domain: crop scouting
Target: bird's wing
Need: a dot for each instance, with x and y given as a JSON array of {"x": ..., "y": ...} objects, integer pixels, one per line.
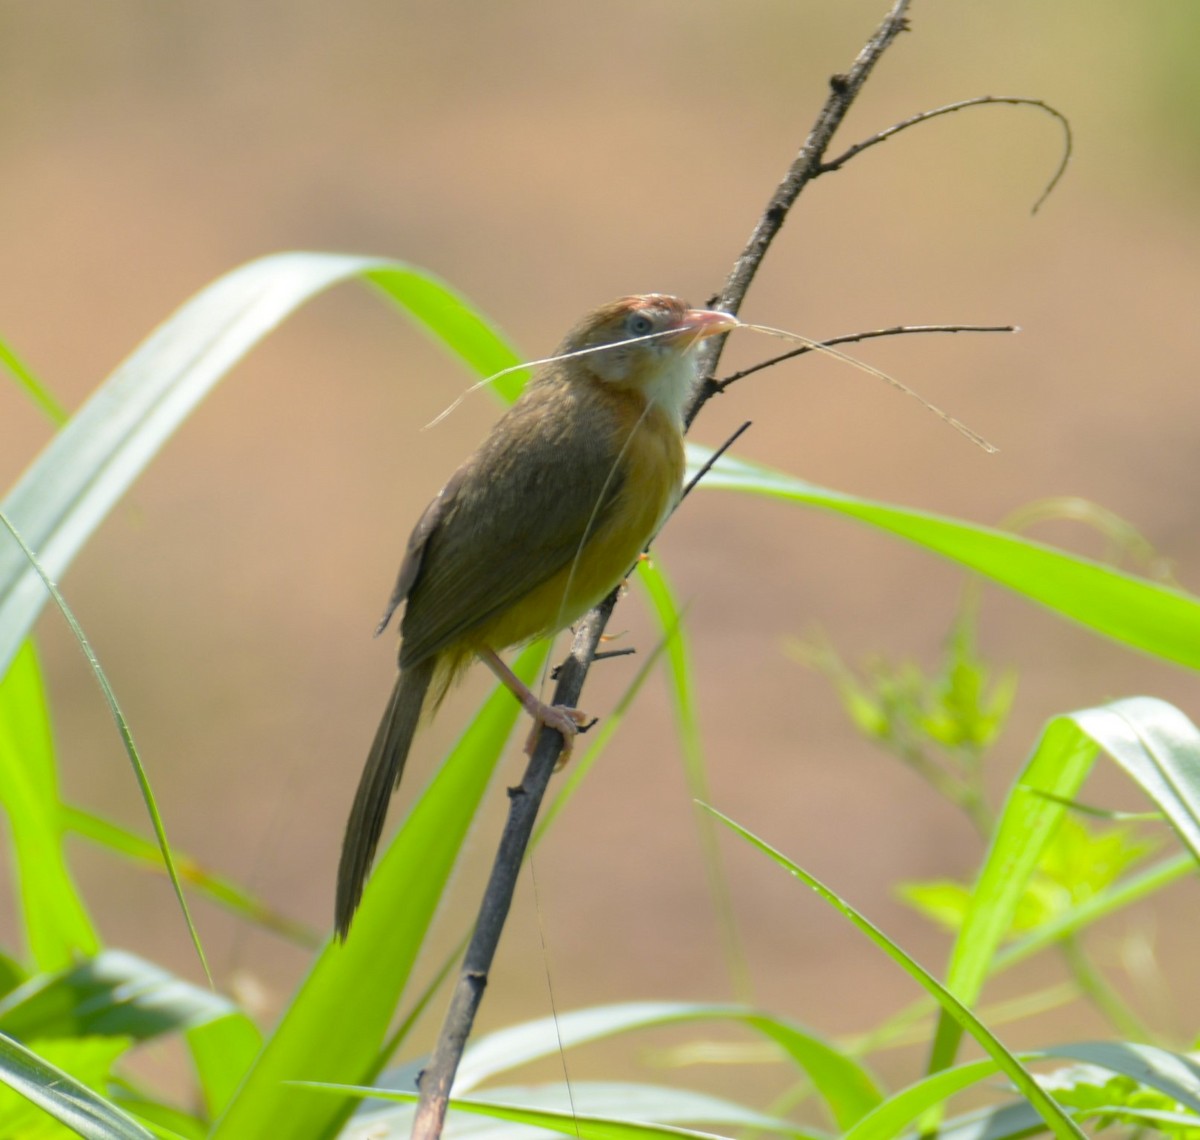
[{"x": 513, "y": 516}]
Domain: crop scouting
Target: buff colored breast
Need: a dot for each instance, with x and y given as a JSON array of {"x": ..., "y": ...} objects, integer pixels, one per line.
[{"x": 651, "y": 471}]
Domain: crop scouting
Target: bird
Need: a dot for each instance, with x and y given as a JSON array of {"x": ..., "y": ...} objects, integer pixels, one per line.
[{"x": 534, "y": 529}]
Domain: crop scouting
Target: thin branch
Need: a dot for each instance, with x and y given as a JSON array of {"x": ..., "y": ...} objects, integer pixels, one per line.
[
  {"x": 526, "y": 799},
  {"x": 843, "y": 90},
  {"x": 978, "y": 101},
  {"x": 852, "y": 338},
  {"x": 524, "y": 802},
  {"x": 708, "y": 463}
]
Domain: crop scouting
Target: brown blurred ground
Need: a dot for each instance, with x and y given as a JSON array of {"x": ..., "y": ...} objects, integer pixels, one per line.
[{"x": 544, "y": 157}]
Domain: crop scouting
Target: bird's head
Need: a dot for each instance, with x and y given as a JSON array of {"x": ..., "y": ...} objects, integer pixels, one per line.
[{"x": 644, "y": 344}]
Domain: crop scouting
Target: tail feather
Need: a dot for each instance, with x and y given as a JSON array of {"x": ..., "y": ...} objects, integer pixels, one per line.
[{"x": 381, "y": 776}]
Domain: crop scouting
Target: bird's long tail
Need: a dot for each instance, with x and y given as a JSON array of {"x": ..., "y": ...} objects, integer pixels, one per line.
[{"x": 381, "y": 775}]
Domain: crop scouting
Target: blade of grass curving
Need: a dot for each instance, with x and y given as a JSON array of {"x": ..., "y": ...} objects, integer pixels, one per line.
[
  {"x": 217, "y": 888},
  {"x": 1172, "y": 1073},
  {"x": 334, "y": 1027},
  {"x": 1152, "y": 740},
  {"x": 222, "y": 1052},
  {"x": 653, "y": 582},
  {"x": 126, "y": 734},
  {"x": 1159, "y": 748},
  {"x": 67, "y": 1100},
  {"x": 54, "y": 917},
  {"x": 896, "y": 1113},
  {"x": 114, "y": 994},
  {"x": 1056, "y": 1119},
  {"x": 589, "y": 1126},
  {"x": 1156, "y": 619},
  {"x": 85, "y": 469},
  {"x": 848, "y": 1088},
  {"x": 1060, "y": 762},
  {"x": 38, "y": 392}
]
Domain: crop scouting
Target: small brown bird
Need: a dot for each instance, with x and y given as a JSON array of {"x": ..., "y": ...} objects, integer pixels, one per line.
[{"x": 535, "y": 529}]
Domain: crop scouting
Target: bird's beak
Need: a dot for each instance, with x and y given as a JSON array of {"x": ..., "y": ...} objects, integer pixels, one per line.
[{"x": 696, "y": 324}]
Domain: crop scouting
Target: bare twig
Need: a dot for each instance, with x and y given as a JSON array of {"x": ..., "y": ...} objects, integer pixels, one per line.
[
  {"x": 852, "y": 338},
  {"x": 708, "y": 463},
  {"x": 525, "y": 800},
  {"x": 978, "y": 101},
  {"x": 843, "y": 90}
]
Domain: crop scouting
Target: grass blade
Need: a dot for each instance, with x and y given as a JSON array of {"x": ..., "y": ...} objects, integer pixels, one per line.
[
  {"x": 85, "y": 469},
  {"x": 55, "y": 919},
  {"x": 63, "y": 1097},
  {"x": 126, "y": 735},
  {"x": 1057, "y": 1120},
  {"x": 334, "y": 1027},
  {"x": 1142, "y": 614}
]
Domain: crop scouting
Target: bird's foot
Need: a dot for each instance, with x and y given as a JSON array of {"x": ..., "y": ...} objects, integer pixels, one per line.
[{"x": 566, "y": 721}]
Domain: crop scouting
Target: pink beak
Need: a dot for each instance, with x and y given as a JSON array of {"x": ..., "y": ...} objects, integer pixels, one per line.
[{"x": 696, "y": 324}]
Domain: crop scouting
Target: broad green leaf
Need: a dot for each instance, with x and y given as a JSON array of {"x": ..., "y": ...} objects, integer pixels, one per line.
[
  {"x": 1060, "y": 763},
  {"x": 847, "y": 1087},
  {"x": 60, "y": 1095},
  {"x": 1171, "y": 1073},
  {"x": 1159, "y": 748},
  {"x": 621, "y": 1100},
  {"x": 1155, "y": 743},
  {"x": 896, "y": 1113},
  {"x": 85, "y": 469},
  {"x": 115, "y": 994},
  {"x": 56, "y": 923},
  {"x": 1058, "y": 1122},
  {"x": 578, "y": 1123},
  {"x": 1143, "y": 614},
  {"x": 222, "y": 1053},
  {"x": 334, "y": 1027}
]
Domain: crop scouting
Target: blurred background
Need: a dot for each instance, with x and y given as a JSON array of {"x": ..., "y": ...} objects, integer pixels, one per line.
[{"x": 544, "y": 157}]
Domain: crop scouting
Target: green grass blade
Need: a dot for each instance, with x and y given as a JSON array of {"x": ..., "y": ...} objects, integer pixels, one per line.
[
  {"x": 115, "y": 994},
  {"x": 38, "y": 392},
  {"x": 219, "y": 889},
  {"x": 653, "y": 582},
  {"x": 1059, "y": 764},
  {"x": 847, "y": 1087},
  {"x": 1153, "y": 741},
  {"x": 585, "y": 1125},
  {"x": 1171, "y": 1073},
  {"x": 222, "y": 1052},
  {"x": 896, "y": 1113},
  {"x": 63, "y": 1097},
  {"x": 335, "y": 1026},
  {"x": 54, "y": 917},
  {"x": 1057, "y": 1120},
  {"x": 1142, "y": 614},
  {"x": 1159, "y": 748},
  {"x": 126, "y": 735},
  {"x": 82, "y": 473}
]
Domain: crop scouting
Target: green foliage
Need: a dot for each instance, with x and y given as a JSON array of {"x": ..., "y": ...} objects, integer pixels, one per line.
[{"x": 72, "y": 1009}]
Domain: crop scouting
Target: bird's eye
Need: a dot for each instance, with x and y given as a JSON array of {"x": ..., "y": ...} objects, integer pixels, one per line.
[{"x": 638, "y": 324}]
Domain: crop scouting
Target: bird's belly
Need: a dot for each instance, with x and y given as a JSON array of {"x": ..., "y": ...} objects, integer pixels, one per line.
[{"x": 653, "y": 471}]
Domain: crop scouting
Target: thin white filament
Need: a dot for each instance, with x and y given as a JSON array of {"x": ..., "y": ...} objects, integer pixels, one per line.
[
  {"x": 846, "y": 358},
  {"x": 545, "y": 360}
]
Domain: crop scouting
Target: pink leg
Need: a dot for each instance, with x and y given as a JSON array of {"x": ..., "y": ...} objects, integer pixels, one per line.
[{"x": 565, "y": 721}]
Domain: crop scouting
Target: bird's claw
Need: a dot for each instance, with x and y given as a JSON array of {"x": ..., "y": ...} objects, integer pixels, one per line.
[{"x": 566, "y": 721}]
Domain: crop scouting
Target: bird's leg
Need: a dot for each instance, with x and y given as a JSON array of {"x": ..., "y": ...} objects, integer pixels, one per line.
[{"x": 565, "y": 721}]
